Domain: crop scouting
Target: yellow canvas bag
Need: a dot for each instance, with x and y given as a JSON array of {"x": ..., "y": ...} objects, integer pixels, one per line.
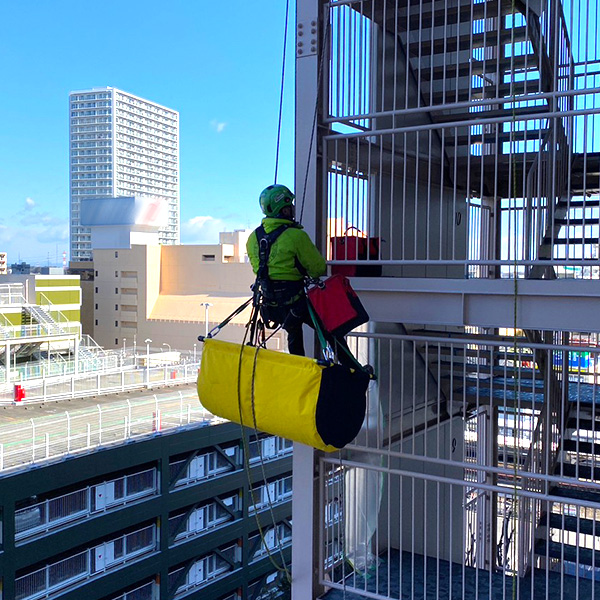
[{"x": 298, "y": 398}]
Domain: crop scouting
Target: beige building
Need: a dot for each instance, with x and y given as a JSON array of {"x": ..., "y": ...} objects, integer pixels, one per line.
[{"x": 171, "y": 294}]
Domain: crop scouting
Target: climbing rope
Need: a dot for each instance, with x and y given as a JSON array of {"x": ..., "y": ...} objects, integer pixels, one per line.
[
  {"x": 283, "y": 567},
  {"x": 285, "y": 30}
]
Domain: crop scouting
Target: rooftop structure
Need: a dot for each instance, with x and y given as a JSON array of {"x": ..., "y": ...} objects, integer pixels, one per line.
[
  {"x": 122, "y": 222},
  {"x": 121, "y": 145},
  {"x": 456, "y": 146}
]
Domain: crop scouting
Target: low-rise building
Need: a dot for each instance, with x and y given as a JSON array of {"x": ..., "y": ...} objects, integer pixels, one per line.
[{"x": 139, "y": 498}]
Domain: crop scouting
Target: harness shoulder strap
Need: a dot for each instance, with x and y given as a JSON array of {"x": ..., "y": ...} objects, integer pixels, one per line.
[{"x": 265, "y": 243}]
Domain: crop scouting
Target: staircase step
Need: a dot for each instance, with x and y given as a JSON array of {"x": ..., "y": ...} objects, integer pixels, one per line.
[
  {"x": 585, "y": 423},
  {"x": 580, "y": 203},
  {"x": 584, "y": 556},
  {"x": 464, "y": 93},
  {"x": 453, "y": 115},
  {"x": 574, "y": 445},
  {"x": 459, "y": 368},
  {"x": 466, "y": 334},
  {"x": 572, "y": 240},
  {"x": 501, "y": 137},
  {"x": 501, "y": 384},
  {"x": 444, "y": 69},
  {"x": 421, "y": 43},
  {"x": 578, "y": 470},
  {"x": 423, "y": 14},
  {"x": 576, "y": 493},
  {"x": 570, "y": 523},
  {"x": 570, "y": 222}
]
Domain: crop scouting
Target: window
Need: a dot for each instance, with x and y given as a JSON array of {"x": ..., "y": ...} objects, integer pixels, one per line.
[
  {"x": 116, "y": 290},
  {"x": 96, "y": 289},
  {"x": 96, "y": 306},
  {"x": 116, "y": 273},
  {"x": 116, "y": 307},
  {"x": 116, "y": 325},
  {"x": 116, "y": 255},
  {"x": 116, "y": 342},
  {"x": 96, "y": 321},
  {"x": 208, "y": 257},
  {"x": 96, "y": 273}
]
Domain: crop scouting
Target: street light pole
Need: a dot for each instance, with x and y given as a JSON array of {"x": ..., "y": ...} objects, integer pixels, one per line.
[
  {"x": 206, "y": 305},
  {"x": 148, "y": 342},
  {"x": 167, "y": 345}
]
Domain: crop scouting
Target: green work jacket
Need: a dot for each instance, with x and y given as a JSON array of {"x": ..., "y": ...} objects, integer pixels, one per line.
[{"x": 290, "y": 245}]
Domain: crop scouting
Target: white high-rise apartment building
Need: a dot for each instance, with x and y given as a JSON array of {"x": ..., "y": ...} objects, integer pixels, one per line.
[{"x": 121, "y": 145}]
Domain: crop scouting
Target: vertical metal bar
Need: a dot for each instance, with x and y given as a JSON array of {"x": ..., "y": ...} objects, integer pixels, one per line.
[
  {"x": 32, "y": 440},
  {"x": 99, "y": 424},
  {"x": 68, "y": 431}
]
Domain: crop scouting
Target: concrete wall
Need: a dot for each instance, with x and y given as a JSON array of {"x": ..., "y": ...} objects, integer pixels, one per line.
[
  {"x": 183, "y": 271},
  {"x": 158, "y": 292}
]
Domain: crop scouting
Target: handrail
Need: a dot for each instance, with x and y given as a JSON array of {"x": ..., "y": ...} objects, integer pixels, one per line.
[
  {"x": 12, "y": 293},
  {"x": 87, "y": 341},
  {"x": 50, "y": 308}
]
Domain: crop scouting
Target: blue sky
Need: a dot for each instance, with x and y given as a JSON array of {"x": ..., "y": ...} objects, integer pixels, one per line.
[{"x": 217, "y": 63}]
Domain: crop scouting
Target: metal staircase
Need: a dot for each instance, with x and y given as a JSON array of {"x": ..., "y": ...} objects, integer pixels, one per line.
[
  {"x": 461, "y": 66},
  {"x": 34, "y": 314},
  {"x": 566, "y": 533},
  {"x": 564, "y": 442}
]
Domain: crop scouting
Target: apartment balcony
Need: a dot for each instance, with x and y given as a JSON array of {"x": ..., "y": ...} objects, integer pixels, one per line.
[{"x": 130, "y": 299}]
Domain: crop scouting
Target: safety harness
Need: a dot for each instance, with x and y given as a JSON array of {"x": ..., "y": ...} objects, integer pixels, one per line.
[{"x": 275, "y": 293}]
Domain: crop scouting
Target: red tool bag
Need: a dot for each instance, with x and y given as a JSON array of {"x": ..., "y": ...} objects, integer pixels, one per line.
[
  {"x": 337, "y": 305},
  {"x": 355, "y": 247}
]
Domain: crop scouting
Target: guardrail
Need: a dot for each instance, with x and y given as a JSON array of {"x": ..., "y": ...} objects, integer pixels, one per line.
[
  {"x": 59, "y": 368},
  {"x": 85, "y": 565},
  {"x": 98, "y": 383},
  {"x": 12, "y": 293},
  {"x": 39, "y": 329},
  {"x": 39, "y": 518},
  {"x": 49, "y": 438}
]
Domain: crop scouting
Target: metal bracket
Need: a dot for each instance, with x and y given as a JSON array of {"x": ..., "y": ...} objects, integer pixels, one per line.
[{"x": 307, "y": 38}]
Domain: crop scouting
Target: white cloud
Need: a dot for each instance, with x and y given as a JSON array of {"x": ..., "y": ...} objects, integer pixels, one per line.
[
  {"x": 218, "y": 126},
  {"x": 34, "y": 235},
  {"x": 205, "y": 229}
]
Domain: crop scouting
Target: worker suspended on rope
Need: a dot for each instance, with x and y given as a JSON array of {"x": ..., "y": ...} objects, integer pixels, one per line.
[{"x": 282, "y": 255}]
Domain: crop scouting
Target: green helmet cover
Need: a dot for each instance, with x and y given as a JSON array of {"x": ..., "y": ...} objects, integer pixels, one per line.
[{"x": 274, "y": 198}]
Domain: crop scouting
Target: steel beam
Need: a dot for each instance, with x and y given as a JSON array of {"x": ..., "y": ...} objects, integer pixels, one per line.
[{"x": 559, "y": 305}]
